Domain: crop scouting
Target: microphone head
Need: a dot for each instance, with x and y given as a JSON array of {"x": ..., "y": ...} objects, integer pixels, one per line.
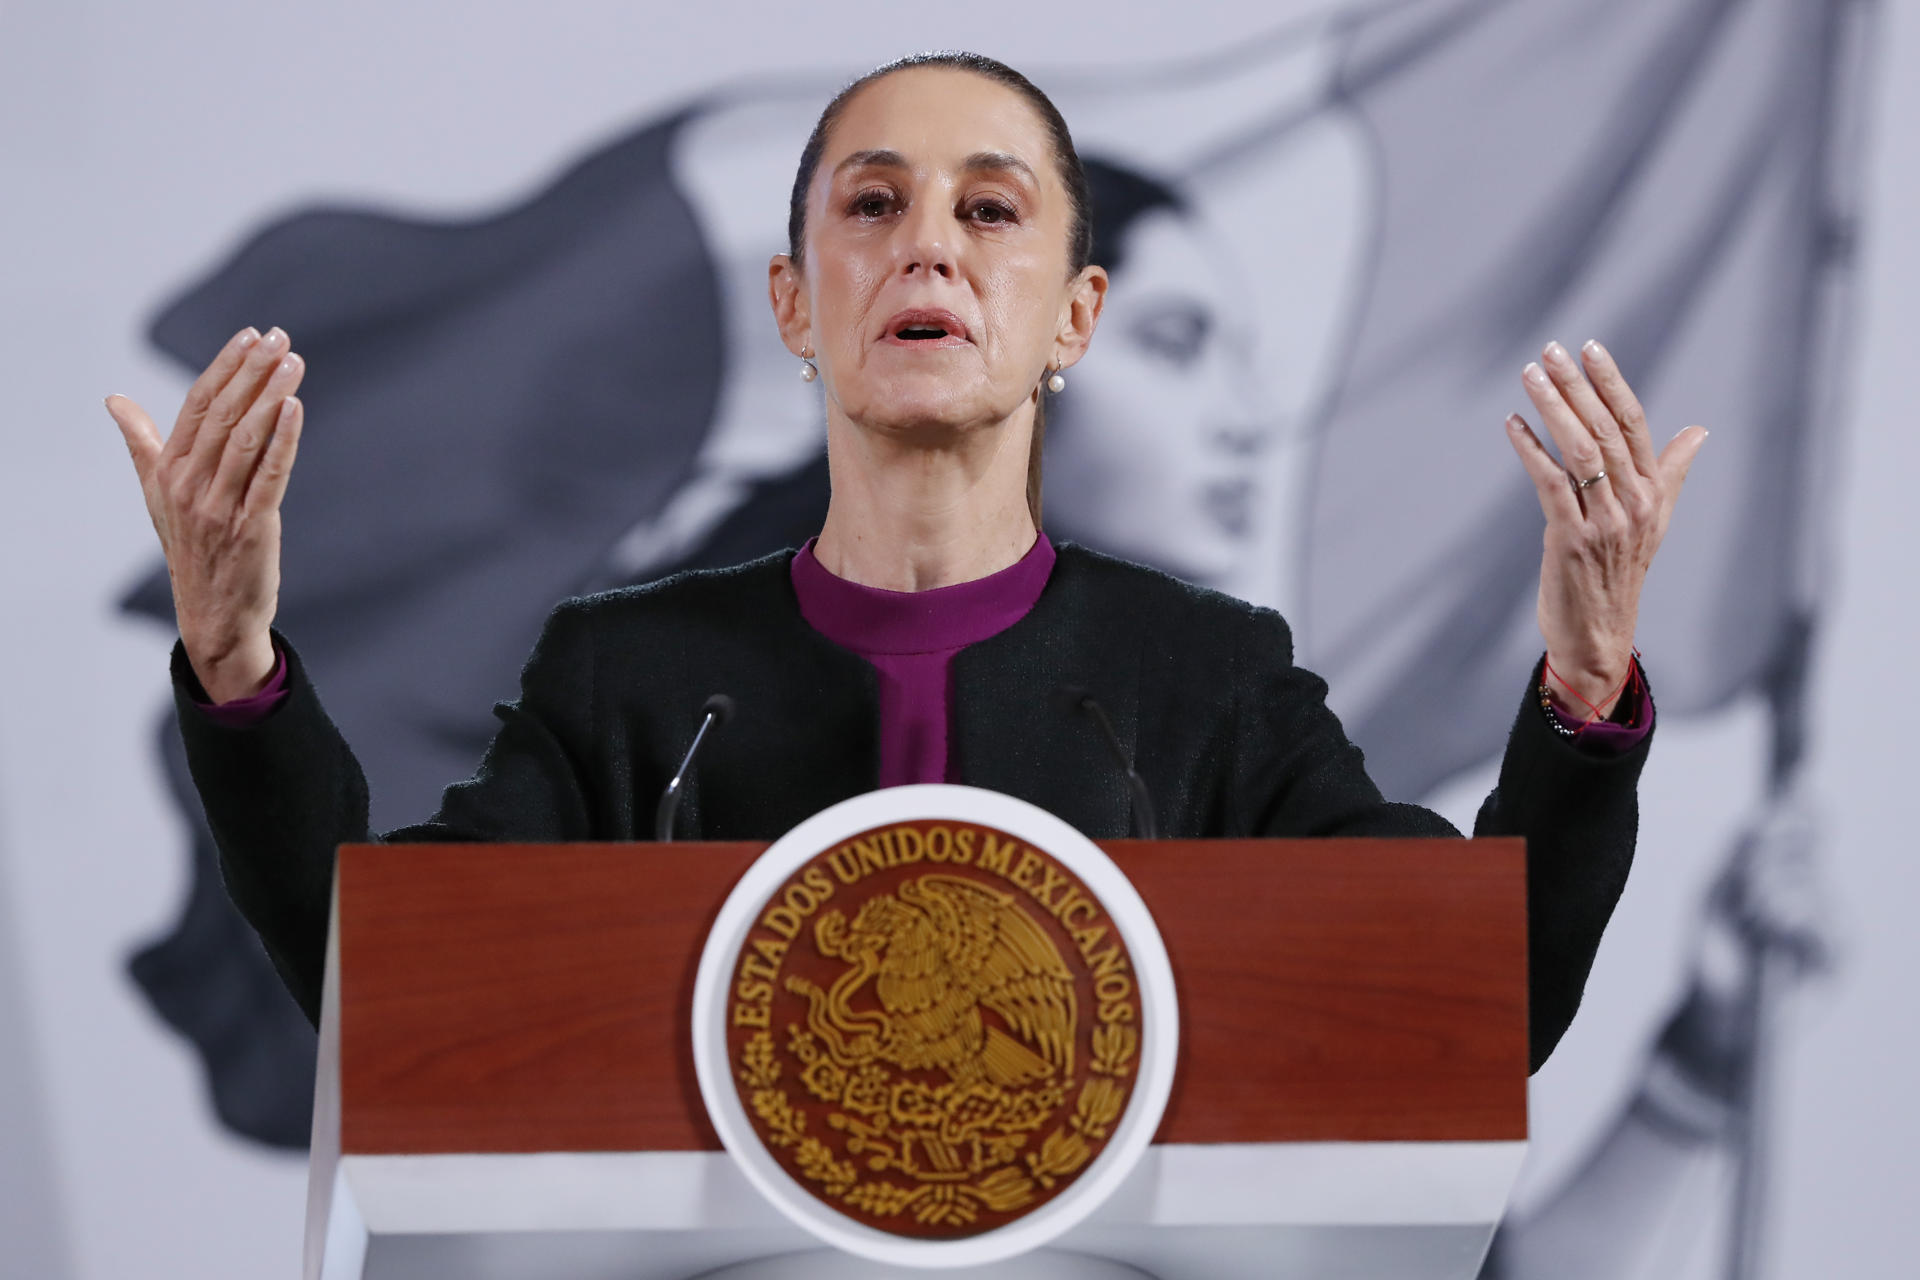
[{"x": 720, "y": 707}]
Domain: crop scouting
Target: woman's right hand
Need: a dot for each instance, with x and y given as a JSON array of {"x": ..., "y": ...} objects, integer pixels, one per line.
[{"x": 213, "y": 488}]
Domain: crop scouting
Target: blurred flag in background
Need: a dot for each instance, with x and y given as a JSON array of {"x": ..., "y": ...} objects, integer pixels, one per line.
[{"x": 1670, "y": 176}]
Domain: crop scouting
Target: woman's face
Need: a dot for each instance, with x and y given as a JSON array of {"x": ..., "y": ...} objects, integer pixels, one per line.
[
  {"x": 935, "y": 290},
  {"x": 1154, "y": 452}
]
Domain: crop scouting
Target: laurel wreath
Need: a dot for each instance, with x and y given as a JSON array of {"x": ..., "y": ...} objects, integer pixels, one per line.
[{"x": 1062, "y": 1153}]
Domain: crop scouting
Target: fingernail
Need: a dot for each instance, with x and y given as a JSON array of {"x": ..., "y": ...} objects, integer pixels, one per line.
[
  {"x": 1555, "y": 351},
  {"x": 1535, "y": 373},
  {"x": 275, "y": 336},
  {"x": 289, "y": 362},
  {"x": 1593, "y": 347},
  {"x": 247, "y": 337}
]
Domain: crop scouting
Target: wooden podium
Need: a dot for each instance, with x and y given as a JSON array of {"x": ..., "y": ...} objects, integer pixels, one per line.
[{"x": 506, "y": 1085}]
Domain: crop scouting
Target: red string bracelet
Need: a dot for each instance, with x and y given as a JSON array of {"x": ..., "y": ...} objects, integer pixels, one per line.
[{"x": 1631, "y": 678}]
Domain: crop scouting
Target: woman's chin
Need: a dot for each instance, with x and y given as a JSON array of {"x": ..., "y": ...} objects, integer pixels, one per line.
[{"x": 924, "y": 405}]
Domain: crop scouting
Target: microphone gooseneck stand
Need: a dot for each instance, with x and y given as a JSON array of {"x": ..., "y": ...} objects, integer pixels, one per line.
[
  {"x": 1074, "y": 699},
  {"x": 716, "y": 712}
]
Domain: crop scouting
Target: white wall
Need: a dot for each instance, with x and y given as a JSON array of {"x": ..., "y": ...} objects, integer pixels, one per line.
[{"x": 139, "y": 140}]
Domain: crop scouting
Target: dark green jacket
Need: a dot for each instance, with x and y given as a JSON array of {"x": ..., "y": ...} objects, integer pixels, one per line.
[{"x": 1231, "y": 738}]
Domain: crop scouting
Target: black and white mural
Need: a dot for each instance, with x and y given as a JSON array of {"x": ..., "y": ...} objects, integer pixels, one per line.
[{"x": 1334, "y": 233}]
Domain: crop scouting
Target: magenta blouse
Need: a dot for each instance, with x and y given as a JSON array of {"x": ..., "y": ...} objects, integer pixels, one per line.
[{"x": 910, "y": 637}]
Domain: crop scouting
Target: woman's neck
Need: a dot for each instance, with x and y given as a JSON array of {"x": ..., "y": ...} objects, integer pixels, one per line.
[{"x": 905, "y": 516}]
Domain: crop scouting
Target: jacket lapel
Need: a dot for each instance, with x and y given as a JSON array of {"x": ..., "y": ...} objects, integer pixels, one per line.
[
  {"x": 1012, "y": 732},
  {"x": 808, "y": 720}
]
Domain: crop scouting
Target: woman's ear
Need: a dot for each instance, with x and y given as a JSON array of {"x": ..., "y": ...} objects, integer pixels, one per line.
[
  {"x": 786, "y": 291},
  {"x": 1080, "y": 316}
]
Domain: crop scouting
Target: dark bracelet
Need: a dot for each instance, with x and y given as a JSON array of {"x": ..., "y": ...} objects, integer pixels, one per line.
[{"x": 1554, "y": 721}]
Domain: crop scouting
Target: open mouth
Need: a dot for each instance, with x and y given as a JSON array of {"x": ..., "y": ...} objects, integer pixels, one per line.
[{"x": 926, "y": 328}]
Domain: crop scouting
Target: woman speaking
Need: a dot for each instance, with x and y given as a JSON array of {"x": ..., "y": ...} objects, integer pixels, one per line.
[{"x": 937, "y": 284}]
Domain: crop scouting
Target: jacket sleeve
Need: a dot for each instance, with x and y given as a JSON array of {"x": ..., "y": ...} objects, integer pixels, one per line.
[
  {"x": 283, "y": 794},
  {"x": 1299, "y": 775}
]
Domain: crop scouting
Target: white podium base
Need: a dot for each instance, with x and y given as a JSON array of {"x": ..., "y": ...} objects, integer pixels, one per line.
[
  {"x": 830, "y": 1264},
  {"x": 1382, "y": 1211}
]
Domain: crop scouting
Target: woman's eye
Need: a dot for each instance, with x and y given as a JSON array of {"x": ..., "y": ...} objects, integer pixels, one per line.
[
  {"x": 992, "y": 211},
  {"x": 874, "y": 204},
  {"x": 1174, "y": 333}
]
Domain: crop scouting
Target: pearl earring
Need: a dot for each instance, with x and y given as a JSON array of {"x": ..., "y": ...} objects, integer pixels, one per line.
[
  {"x": 1056, "y": 383},
  {"x": 808, "y": 370}
]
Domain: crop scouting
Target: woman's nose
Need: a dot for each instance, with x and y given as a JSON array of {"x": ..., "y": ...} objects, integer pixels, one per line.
[
  {"x": 925, "y": 241},
  {"x": 1248, "y": 410}
]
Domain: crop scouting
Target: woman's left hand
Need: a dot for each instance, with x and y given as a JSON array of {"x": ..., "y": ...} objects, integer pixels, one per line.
[{"x": 1601, "y": 535}]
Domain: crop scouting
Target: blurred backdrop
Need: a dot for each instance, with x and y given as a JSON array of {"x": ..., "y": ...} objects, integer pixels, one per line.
[{"x": 523, "y": 249}]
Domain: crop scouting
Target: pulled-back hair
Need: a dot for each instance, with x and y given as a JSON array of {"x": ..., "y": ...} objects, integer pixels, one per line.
[
  {"x": 1066, "y": 160},
  {"x": 1072, "y": 175}
]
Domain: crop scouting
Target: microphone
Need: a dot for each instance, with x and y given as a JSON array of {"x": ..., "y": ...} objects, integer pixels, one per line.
[
  {"x": 716, "y": 712},
  {"x": 1075, "y": 699}
]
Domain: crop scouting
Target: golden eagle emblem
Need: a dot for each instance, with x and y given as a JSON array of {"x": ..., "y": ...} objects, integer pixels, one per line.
[
  {"x": 916, "y": 1043},
  {"x": 938, "y": 952}
]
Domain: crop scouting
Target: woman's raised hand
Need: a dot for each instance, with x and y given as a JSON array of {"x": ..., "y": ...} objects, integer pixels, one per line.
[
  {"x": 213, "y": 488},
  {"x": 1606, "y": 509}
]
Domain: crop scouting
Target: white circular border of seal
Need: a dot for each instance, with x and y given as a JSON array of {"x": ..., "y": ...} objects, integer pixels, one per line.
[{"x": 1158, "y": 1005}]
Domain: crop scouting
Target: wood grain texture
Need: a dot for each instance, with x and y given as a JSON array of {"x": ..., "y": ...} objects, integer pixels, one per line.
[
  {"x": 519, "y": 998},
  {"x": 501, "y": 998},
  {"x": 1342, "y": 990}
]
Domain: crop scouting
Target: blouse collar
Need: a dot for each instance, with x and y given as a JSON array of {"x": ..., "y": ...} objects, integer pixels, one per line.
[{"x": 872, "y": 620}]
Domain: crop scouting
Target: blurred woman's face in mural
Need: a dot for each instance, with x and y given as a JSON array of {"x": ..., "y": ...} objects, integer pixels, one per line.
[
  {"x": 1154, "y": 451},
  {"x": 935, "y": 289}
]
